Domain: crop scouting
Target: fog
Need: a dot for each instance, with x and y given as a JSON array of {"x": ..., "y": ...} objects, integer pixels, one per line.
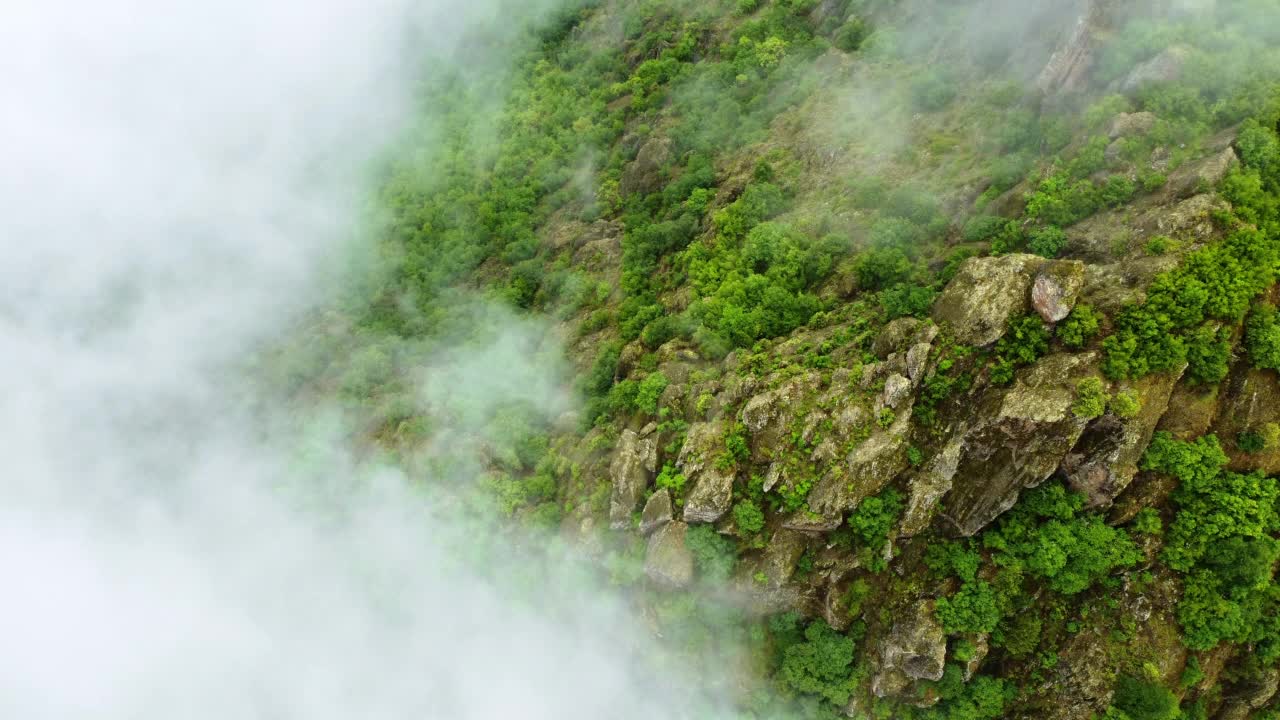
[{"x": 181, "y": 183}]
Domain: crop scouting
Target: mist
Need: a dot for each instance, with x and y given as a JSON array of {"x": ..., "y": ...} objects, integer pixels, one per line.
[{"x": 183, "y": 184}]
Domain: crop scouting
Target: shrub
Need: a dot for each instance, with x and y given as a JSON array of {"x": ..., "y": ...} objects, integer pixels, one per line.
[
  {"x": 1047, "y": 241},
  {"x": 748, "y": 516},
  {"x": 1081, "y": 326},
  {"x": 1091, "y": 398},
  {"x": 1147, "y": 522},
  {"x": 649, "y": 392},
  {"x": 713, "y": 554},
  {"x": 821, "y": 665},
  {"x": 905, "y": 299},
  {"x": 975, "y": 608},
  {"x": 1142, "y": 700},
  {"x": 672, "y": 480},
  {"x": 1262, "y": 337},
  {"x": 849, "y": 36},
  {"x": 1125, "y": 404},
  {"x": 932, "y": 92}
]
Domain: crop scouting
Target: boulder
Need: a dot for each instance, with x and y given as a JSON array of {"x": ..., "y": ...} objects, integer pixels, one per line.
[
  {"x": 1105, "y": 460},
  {"x": 644, "y": 174},
  {"x": 634, "y": 462},
  {"x": 928, "y": 487},
  {"x": 711, "y": 487},
  {"x": 1163, "y": 68},
  {"x": 917, "y": 645},
  {"x": 897, "y": 390},
  {"x": 1056, "y": 289},
  {"x": 1016, "y": 440},
  {"x": 667, "y": 561},
  {"x": 1248, "y": 402},
  {"x": 984, "y": 295},
  {"x": 1131, "y": 124},
  {"x": 868, "y": 468},
  {"x": 781, "y": 554},
  {"x": 1203, "y": 176},
  {"x": 917, "y": 361},
  {"x": 657, "y": 512}
]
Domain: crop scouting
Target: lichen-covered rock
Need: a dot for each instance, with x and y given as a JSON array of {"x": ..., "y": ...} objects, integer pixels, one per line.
[
  {"x": 917, "y": 645},
  {"x": 643, "y": 175},
  {"x": 767, "y": 416},
  {"x": 897, "y": 390},
  {"x": 781, "y": 554},
  {"x": 928, "y": 486},
  {"x": 981, "y": 646},
  {"x": 657, "y": 512},
  {"x": 918, "y": 361},
  {"x": 634, "y": 462},
  {"x": 1104, "y": 461},
  {"x": 872, "y": 465},
  {"x": 1203, "y": 176},
  {"x": 894, "y": 336},
  {"x": 1016, "y": 440},
  {"x": 1056, "y": 288},
  {"x": 1163, "y": 68},
  {"x": 710, "y": 497},
  {"x": 984, "y": 295},
  {"x": 711, "y": 486},
  {"x": 667, "y": 561},
  {"x": 1249, "y": 401},
  {"x": 1131, "y": 124}
]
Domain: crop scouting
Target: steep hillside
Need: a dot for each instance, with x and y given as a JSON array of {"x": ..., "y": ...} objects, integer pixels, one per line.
[{"x": 926, "y": 350}]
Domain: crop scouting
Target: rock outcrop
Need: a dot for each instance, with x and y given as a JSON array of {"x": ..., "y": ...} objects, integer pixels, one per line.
[
  {"x": 668, "y": 562},
  {"x": 711, "y": 485},
  {"x": 985, "y": 294},
  {"x": 634, "y": 463}
]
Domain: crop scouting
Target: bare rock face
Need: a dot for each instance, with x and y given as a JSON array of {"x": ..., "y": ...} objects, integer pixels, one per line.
[
  {"x": 657, "y": 512},
  {"x": 927, "y": 488},
  {"x": 1056, "y": 289},
  {"x": 1131, "y": 124},
  {"x": 644, "y": 174},
  {"x": 917, "y": 645},
  {"x": 1105, "y": 460},
  {"x": 1163, "y": 68},
  {"x": 634, "y": 462},
  {"x": 712, "y": 487},
  {"x": 872, "y": 465},
  {"x": 985, "y": 294},
  {"x": 667, "y": 561},
  {"x": 1016, "y": 441},
  {"x": 1248, "y": 402}
]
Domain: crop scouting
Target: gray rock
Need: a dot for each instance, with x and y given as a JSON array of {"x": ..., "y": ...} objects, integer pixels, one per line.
[
  {"x": 1016, "y": 440},
  {"x": 928, "y": 487},
  {"x": 897, "y": 390},
  {"x": 710, "y": 497},
  {"x": 667, "y": 561},
  {"x": 657, "y": 512},
  {"x": 1056, "y": 289},
  {"x": 1163, "y": 68},
  {"x": 871, "y": 466},
  {"x": 1203, "y": 176},
  {"x": 894, "y": 336},
  {"x": 1131, "y": 124},
  {"x": 984, "y": 295},
  {"x": 633, "y": 464},
  {"x": 644, "y": 174},
  {"x": 1105, "y": 460},
  {"x": 918, "y": 361},
  {"x": 781, "y": 554},
  {"x": 712, "y": 487},
  {"x": 917, "y": 645},
  {"x": 981, "y": 646}
]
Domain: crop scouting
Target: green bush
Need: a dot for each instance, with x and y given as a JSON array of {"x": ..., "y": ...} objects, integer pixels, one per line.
[
  {"x": 820, "y": 665},
  {"x": 1081, "y": 326},
  {"x": 1091, "y": 398},
  {"x": 975, "y": 608},
  {"x": 1142, "y": 700},
  {"x": 713, "y": 554},
  {"x": 748, "y": 516},
  {"x": 1047, "y": 241},
  {"x": 932, "y": 91},
  {"x": 1262, "y": 337},
  {"x": 1125, "y": 404}
]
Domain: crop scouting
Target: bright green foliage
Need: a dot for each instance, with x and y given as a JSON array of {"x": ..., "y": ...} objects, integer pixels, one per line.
[
  {"x": 1047, "y": 534},
  {"x": 953, "y": 558},
  {"x": 1079, "y": 327},
  {"x": 1147, "y": 522},
  {"x": 672, "y": 480},
  {"x": 1025, "y": 341},
  {"x": 871, "y": 523},
  {"x": 1223, "y": 540},
  {"x": 976, "y": 608},
  {"x": 820, "y": 665},
  {"x": 713, "y": 554},
  {"x": 1047, "y": 241},
  {"x": 1262, "y": 337},
  {"x": 1091, "y": 398},
  {"x": 649, "y": 392},
  {"x": 1125, "y": 404},
  {"x": 748, "y": 516},
  {"x": 1142, "y": 700}
]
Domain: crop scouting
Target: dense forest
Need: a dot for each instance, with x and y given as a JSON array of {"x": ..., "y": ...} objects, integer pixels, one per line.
[{"x": 923, "y": 355}]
